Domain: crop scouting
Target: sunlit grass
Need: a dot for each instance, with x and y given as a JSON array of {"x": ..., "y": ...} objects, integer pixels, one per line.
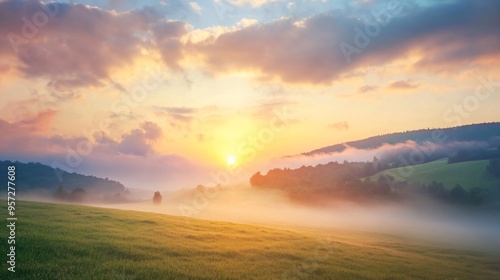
[
  {"x": 468, "y": 174},
  {"x": 78, "y": 242}
]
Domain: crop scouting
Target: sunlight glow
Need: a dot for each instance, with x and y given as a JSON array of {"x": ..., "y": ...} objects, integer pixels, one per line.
[{"x": 231, "y": 160}]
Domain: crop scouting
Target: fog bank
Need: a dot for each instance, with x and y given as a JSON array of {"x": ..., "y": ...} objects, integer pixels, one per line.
[{"x": 424, "y": 220}]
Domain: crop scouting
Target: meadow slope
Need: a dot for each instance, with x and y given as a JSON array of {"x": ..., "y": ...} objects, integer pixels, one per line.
[
  {"x": 468, "y": 174},
  {"x": 78, "y": 242}
]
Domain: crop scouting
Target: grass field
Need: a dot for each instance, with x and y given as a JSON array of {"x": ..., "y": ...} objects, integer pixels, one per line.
[
  {"x": 468, "y": 174},
  {"x": 78, "y": 242}
]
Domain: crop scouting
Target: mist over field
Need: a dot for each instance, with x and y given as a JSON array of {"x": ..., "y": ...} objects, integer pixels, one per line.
[{"x": 424, "y": 220}]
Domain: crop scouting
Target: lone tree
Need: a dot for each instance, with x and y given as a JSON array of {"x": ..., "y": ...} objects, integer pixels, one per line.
[
  {"x": 157, "y": 198},
  {"x": 61, "y": 193},
  {"x": 77, "y": 195}
]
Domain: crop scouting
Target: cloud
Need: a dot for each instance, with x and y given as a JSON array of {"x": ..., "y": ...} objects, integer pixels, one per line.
[
  {"x": 39, "y": 123},
  {"x": 365, "y": 89},
  {"x": 195, "y": 7},
  {"x": 22, "y": 109},
  {"x": 339, "y": 126},
  {"x": 32, "y": 136},
  {"x": 402, "y": 85},
  {"x": 140, "y": 141},
  {"x": 179, "y": 110},
  {"x": 79, "y": 46},
  {"x": 167, "y": 37},
  {"x": 309, "y": 51},
  {"x": 191, "y": 119},
  {"x": 132, "y": 159},
  {"x": 253, "y": 3},
  {"x": 74, "y": 45},
  {"x": 4, "y": 70},
  {"x": 267, "y": 109},
  {"x": 200, "y": 137},
  {"x": 178, "y": 117},
  {"x": 276, "y": 50}
]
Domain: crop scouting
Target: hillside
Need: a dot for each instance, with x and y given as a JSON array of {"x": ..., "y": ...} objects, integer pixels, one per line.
[
  {"x": 78, "y": 242},
  {"x": 464, "y": 184},
  {"x": 43, "y": 179},
  {"x": 468, "y": 174},
  {"x": 488, "y": 132}
]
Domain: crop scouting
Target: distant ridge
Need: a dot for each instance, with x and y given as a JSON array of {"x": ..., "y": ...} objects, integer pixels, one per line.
[
  {"x": 36, "y": 176},
  {"x": 474, "y": 132}
]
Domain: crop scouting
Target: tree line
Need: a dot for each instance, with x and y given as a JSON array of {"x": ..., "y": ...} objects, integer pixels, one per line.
[{"x": 351, "y": 181}]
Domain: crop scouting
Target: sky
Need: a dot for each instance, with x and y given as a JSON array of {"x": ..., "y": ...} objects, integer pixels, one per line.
[{"x": 171, "y": 94}]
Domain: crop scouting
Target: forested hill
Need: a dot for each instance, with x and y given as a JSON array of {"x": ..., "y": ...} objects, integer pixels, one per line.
[
  {"x": 476, "y": 132},
  {"x": 36, "y": 176}
]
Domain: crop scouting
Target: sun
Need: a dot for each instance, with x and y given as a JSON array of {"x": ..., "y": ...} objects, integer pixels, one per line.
[{"x": 231, "y": 160}]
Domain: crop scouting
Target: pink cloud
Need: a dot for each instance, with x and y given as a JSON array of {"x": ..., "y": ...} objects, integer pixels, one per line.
[
  {"x": 41, "y": 122},
  {"x": 309, "y": 51},
  {"x": 79, "y": 46},
  {"x": 339, "y": 126},
  {"x": 402, "y": 85},
  {"x": 132, "y": 159},
  {"x": 76, "y": 45}
]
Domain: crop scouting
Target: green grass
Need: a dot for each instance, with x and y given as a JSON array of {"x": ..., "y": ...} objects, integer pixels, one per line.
[
  {"x": 468, "y": 174},
  {"x": 78, "y": 242}
]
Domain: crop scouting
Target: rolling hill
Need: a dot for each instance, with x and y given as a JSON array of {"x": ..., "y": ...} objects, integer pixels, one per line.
[
  {"x": 42, "y": 179},
  {"x": 487, "y": 132},
  {"x": 79, "y": 242},
  {"x": 468, "y": 174}
]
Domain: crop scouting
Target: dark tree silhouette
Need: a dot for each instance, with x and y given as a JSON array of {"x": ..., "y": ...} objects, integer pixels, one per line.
[
  {"x": 437, "y": 190},
  {"x": 369, "y": 169},
  {"x": 475, "y": 196},
  {"x": 493, "y": 168},
  {"x": 458, "y": 194},
  {"x": 61, "y": 194},
  {"x": 78, "y": 195},
  {"x": 157, "y": 198},
  {"x": 256, "y": 179}
]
